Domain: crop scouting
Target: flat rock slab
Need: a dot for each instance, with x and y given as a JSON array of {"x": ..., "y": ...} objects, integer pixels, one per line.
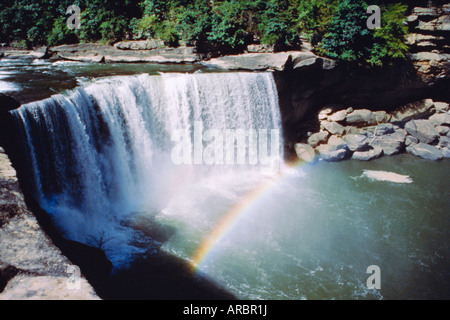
[
  {"x": 266, "y": 61},
  {"x": 103, "y": 53}
]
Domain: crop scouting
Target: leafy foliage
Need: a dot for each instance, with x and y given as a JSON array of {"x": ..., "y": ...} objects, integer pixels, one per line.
[{"x": 337, "y": 28}]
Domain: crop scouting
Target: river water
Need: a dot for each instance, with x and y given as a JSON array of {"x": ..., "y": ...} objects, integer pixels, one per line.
[{"x": 297, "y": 232}]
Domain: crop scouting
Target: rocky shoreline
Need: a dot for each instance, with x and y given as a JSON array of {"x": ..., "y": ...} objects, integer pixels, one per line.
[{"x": 421, "y": 129}]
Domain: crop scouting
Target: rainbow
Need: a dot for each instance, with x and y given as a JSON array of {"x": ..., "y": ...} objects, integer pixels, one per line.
[{"x": 232, "y": 217}]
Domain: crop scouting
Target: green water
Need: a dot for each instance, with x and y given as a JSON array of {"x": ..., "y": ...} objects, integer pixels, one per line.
[{"x": 315, "y": 232}]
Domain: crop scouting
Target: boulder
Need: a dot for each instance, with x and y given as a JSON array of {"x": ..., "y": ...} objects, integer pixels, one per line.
[
  {"x": 440, "y": 119},
  {"x": 445, "y": 152},
  {"x": 356, "y": 142},
  {"x": 411, "y": 140},
  {"x": 442, "y": 130},
  {"x": 423, "y": 130},
  {"x": 385, "y": 128},
  {"x": 318, "y": 138},
  {"x": 334, "y": 128},
  {"x": 328, "y": 153},
  {"x": 382, "y": 116},
  {"x": 371, "y": 154},
  {"x": 444, "y": 142},
  {"x": 306, "y": 59},
  {"x": 323, "y": 114},
  {"x": 336, "y": 143},
  {"x": 305, "y": 152},
  {"x": 425, "y": 151},
  {"x": 391, "y": 144},
  {"x": 441, "y": 107},
  {"x": 335, "y": 150},
  {"x": 361, "y": 118},
  {"x": 338, "y": 116}
]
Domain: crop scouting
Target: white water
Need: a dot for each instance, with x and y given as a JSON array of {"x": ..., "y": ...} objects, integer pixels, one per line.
[{"x": 103, "y": 151}]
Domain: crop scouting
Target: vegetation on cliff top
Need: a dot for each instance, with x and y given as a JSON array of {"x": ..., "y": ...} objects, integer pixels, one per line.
[{"x": 337, "y": 28}]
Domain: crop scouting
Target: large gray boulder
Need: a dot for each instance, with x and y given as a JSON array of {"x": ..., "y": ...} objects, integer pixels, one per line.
[
  {"x": 444, "y": 142},
  {"x": 361, "y": 118},
  {"x": 356, "y": 142},
  {"x": 318, "y": 138},
  {"x": 333, "y": 128},
  {"x": 337, "y": 143},
  {"x": 305, "y": 152},
  {"x": 335, "y": 150},
  {"x": 440, "y": 119},
  {"x": 442, "y": 106},
  {"x": 423, "y": 130},
  {"x": 442, "y": 130},
  {"x": 368, "y": 155},
  {"x": 328, "y": 154},
  {"x": 391, "y": 144},
  {"x": 338, "y": 116},
  {"x": 425, "y": 151},
  {"x": 383, "y": 129},
  {"x": 445, "y": 152}
]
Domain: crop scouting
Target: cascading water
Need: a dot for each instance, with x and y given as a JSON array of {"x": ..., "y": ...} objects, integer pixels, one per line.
[{"x": 106, "y": 150}]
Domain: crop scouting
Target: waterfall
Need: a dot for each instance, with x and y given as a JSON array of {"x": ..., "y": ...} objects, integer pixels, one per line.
[{"x": 109, "y": 147}]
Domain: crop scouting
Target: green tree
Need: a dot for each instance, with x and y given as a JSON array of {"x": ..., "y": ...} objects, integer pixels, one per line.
[{"x": 347, "y": 37}]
